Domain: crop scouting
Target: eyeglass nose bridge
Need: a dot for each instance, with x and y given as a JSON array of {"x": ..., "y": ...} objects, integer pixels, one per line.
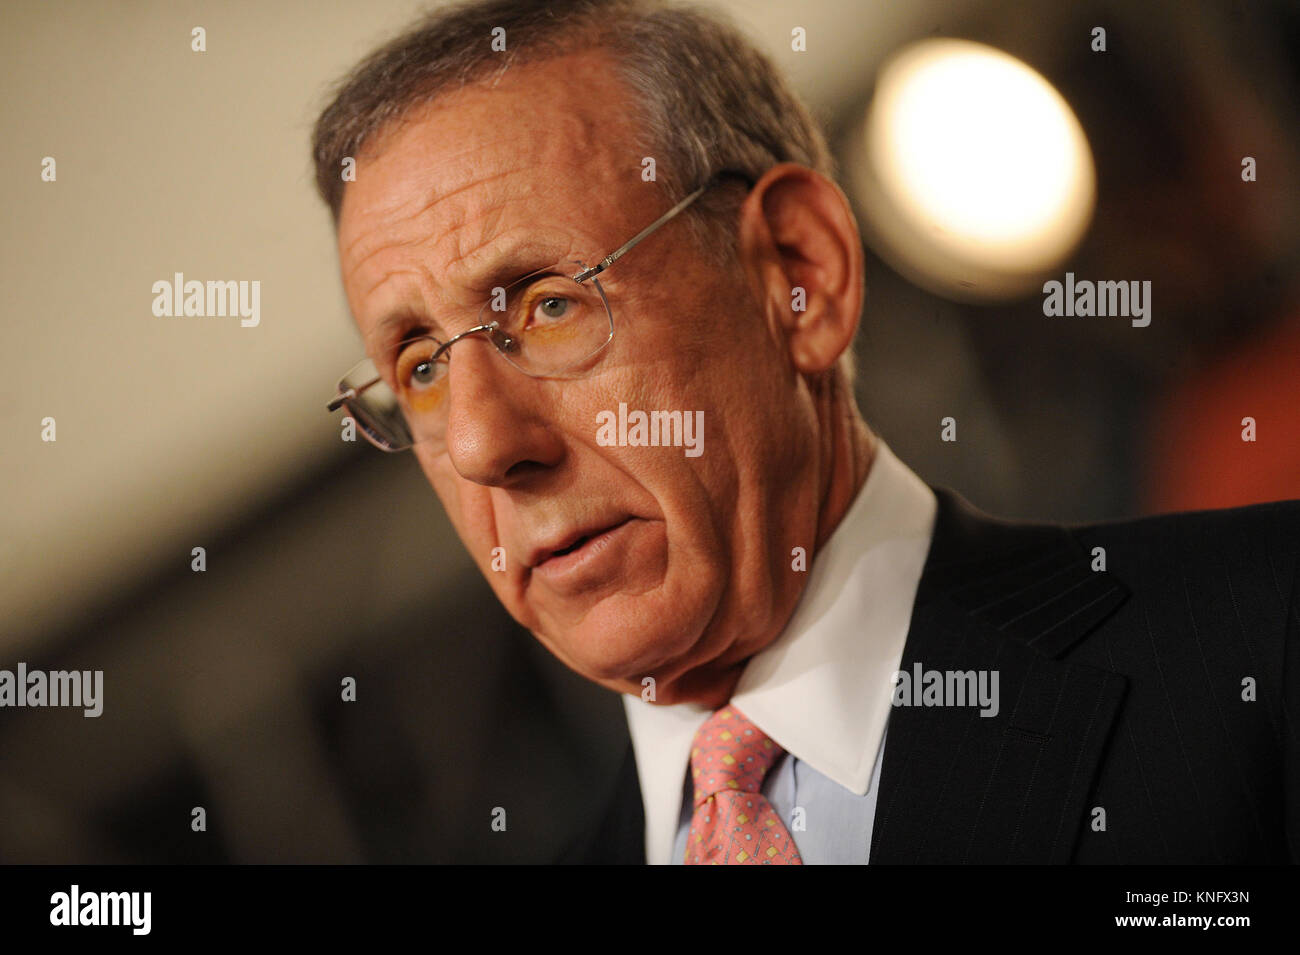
[{"x": 499, "y": 339}]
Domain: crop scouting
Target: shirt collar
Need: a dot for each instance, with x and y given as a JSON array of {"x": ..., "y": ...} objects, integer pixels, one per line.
[{"x": 822, "y": 689}]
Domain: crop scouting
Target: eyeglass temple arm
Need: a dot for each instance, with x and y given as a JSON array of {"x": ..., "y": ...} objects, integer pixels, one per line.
[
  {"x": 341, "y": 397},
  {"x": 618, "y": 253}
]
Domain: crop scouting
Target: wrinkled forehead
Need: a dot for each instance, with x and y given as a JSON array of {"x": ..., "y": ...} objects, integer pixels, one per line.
[{"x": 544, "y": 151}]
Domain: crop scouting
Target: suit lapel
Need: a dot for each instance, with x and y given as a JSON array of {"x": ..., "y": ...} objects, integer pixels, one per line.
[
  {"x": 958, "y": 787},
  {"x": 620, "y": 837}
]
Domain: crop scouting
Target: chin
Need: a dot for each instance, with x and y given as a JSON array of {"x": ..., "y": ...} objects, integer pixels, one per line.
[{"x": 626, "y": 638}]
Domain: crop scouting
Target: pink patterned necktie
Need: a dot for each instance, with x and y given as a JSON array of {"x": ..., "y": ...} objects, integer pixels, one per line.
[{"x": 733, "y": 823}]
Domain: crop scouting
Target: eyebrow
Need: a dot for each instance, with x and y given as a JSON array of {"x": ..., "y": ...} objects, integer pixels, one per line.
[
  {"x": 515, "y": 263},
  {"x": 400, "y": 324}
]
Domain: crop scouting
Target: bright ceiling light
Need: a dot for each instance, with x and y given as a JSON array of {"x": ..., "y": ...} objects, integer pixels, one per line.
[{"x": 975, "y": 176}]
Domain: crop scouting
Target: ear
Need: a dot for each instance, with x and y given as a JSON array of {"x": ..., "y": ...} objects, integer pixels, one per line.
[{"x": 797, "y": 232}]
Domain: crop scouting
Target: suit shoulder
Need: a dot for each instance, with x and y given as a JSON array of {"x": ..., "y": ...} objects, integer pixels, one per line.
[
  {"x": 1233, "y": 570},
  {"x": 1269, "y": 530}
]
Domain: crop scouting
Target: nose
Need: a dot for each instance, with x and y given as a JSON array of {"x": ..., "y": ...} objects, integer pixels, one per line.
[{"x": 498, "y": 428}]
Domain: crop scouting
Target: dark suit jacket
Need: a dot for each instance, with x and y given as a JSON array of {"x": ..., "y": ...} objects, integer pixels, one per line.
[{"x": 1125, "y": 690}]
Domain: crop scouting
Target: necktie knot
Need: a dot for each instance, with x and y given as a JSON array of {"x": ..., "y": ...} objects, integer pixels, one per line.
[
  {"x": 733, "y": 822},
  {"x": 730, "y": 752}
]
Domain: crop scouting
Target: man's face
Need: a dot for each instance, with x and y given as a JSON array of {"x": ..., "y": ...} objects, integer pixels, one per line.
[{"x": 684, "y": 567}]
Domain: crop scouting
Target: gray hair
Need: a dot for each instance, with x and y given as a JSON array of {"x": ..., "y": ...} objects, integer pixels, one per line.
[{"x": 706, "y": 98}]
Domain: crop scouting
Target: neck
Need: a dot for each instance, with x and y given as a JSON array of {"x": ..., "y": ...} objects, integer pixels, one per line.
[{"x": 849, "y": 448}]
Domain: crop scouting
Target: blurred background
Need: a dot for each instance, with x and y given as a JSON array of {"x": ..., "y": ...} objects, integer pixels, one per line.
[{"x": 328, "y": 560}]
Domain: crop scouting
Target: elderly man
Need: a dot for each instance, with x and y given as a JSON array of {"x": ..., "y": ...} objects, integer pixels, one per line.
[{"x": 609, "y": 291}]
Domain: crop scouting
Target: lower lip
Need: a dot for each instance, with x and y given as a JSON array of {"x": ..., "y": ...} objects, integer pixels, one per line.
[{"x": 596, "y": 556}]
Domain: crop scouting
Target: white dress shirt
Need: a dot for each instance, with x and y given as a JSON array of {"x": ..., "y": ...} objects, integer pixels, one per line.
[{"x": 821, "y": 689}]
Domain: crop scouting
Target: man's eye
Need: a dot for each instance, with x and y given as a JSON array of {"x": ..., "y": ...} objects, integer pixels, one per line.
[
  {"x": 552, "y": 307},
  {"x": 423, "y": 373},
  {"x": 416, "y": 370}
]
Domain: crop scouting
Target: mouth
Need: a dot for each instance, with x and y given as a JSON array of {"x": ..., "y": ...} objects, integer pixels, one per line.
[{"x": 574, "y": 546}]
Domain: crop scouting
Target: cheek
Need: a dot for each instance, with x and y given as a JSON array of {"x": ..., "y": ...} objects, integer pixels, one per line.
[
  {"x": 468, "y": 506},
  {"x": 439, "y": 474}
]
